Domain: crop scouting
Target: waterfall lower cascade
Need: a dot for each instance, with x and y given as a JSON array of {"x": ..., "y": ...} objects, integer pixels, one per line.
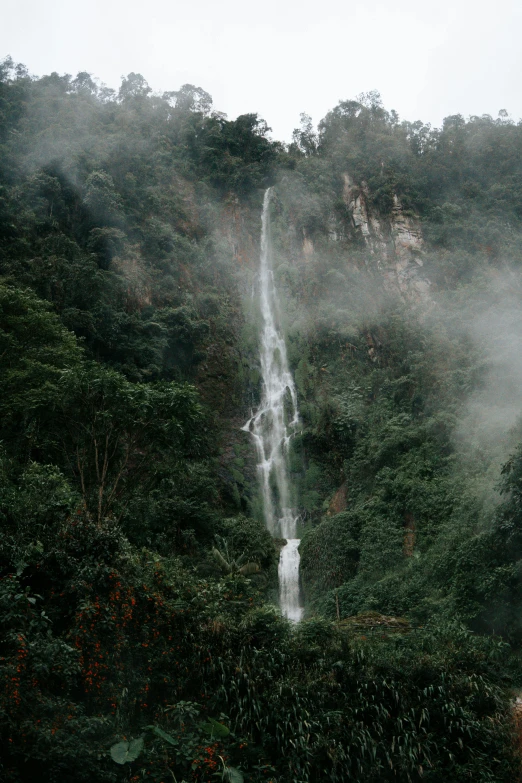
[{"x": 272, "y": 427}]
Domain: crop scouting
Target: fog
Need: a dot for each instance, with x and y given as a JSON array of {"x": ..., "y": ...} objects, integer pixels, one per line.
[
  {"x": 471, "y": 331},
  {"x": 489, "y": 426}
]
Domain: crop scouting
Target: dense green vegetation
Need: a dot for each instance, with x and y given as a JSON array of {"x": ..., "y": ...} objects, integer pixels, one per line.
[{"x": 139, "y": 637}]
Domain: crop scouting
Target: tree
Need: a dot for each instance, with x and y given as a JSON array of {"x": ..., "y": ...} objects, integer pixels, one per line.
[
  {"x": 134, "y": 85},
  {"x": 112, "y": 433},
  {"x": 101, "y": 199},
  {"x": 190, "y": 98},
  {"x": 305, "y": 137},
  {"x": 35, "y": 349}
]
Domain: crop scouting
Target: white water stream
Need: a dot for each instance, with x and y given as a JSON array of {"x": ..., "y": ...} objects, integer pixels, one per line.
[{"x": 272, "y": 426}]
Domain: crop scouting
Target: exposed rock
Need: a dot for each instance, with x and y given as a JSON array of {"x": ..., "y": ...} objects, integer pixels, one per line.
[
  {"x": 236, "y": 233},
  {"x": 395, "y": 242},
  {"x": 338, "y": 502},
  {"x": 308, "y": 247},
  {"x": 356, "y": 203},
  {"x": 370, "y": 342},
  {"x": 408, "y": 246}
]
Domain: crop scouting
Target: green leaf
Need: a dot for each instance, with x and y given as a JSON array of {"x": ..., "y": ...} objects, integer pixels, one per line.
[
  {"x": 215, "y": 728},
  {"x": 249, "y": 568},
  {"x": 227, "y": 568},
  {"x": 125, "y": 752},
  {"x": 164, "y": 736},
  {"x": 234, "y": 775}
]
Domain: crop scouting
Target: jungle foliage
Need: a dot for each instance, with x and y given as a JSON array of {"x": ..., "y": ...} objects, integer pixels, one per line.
[{"x": 138, "y": 636}]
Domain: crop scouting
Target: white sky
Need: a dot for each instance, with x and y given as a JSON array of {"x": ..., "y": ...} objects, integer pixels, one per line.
[{"x": 283, "y": 57}]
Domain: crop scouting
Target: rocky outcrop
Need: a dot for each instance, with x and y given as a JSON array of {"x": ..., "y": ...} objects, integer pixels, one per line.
[
  {"x": 339, "y": 501},
  {"x": 236, "y": 232},
  {"x": 394, "y": 242},
  {"x": 308, "y": 248},
  {"x": 407, "y": 239}
]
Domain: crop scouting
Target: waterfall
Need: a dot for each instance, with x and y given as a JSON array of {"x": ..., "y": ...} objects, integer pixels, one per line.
[{"x": 272, "y": 427}]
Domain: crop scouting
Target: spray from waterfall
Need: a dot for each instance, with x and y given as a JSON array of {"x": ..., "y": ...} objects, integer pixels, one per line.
[{"x": 272, "y": 427}]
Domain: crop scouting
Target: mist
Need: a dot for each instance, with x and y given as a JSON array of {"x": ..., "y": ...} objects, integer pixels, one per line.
[
  {"x": 168, "y": 274},
  {"x": 490, "y": 423}
]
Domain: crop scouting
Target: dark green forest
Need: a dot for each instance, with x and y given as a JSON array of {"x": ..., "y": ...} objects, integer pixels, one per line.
[{"x": 140, "y": 635}]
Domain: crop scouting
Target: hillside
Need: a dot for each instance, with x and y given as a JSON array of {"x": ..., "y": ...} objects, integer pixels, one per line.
[{"x": 141, "y": 637}]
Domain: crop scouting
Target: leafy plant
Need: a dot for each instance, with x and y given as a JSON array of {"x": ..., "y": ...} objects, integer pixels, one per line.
[{"x": 126, "y": 752}]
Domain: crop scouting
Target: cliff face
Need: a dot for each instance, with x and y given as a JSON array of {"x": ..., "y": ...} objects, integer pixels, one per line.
[
  {"x": 238, "y": 230},
  {"x": 323, "y": 226},
  {"x": 394, "y": 242}
]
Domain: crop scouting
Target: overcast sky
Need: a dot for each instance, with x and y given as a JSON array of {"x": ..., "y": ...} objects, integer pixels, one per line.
[{"x": 283, "y": 57}]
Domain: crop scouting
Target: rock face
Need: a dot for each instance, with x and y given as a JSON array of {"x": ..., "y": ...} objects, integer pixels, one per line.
[
  {"x": 236, "y": 232},
  {"x": 395, "y": 243},
  {"x": 339, "y": 501}
]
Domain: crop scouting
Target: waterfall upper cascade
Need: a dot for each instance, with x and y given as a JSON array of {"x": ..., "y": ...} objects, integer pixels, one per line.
[{"x": 272, "y": 427}]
